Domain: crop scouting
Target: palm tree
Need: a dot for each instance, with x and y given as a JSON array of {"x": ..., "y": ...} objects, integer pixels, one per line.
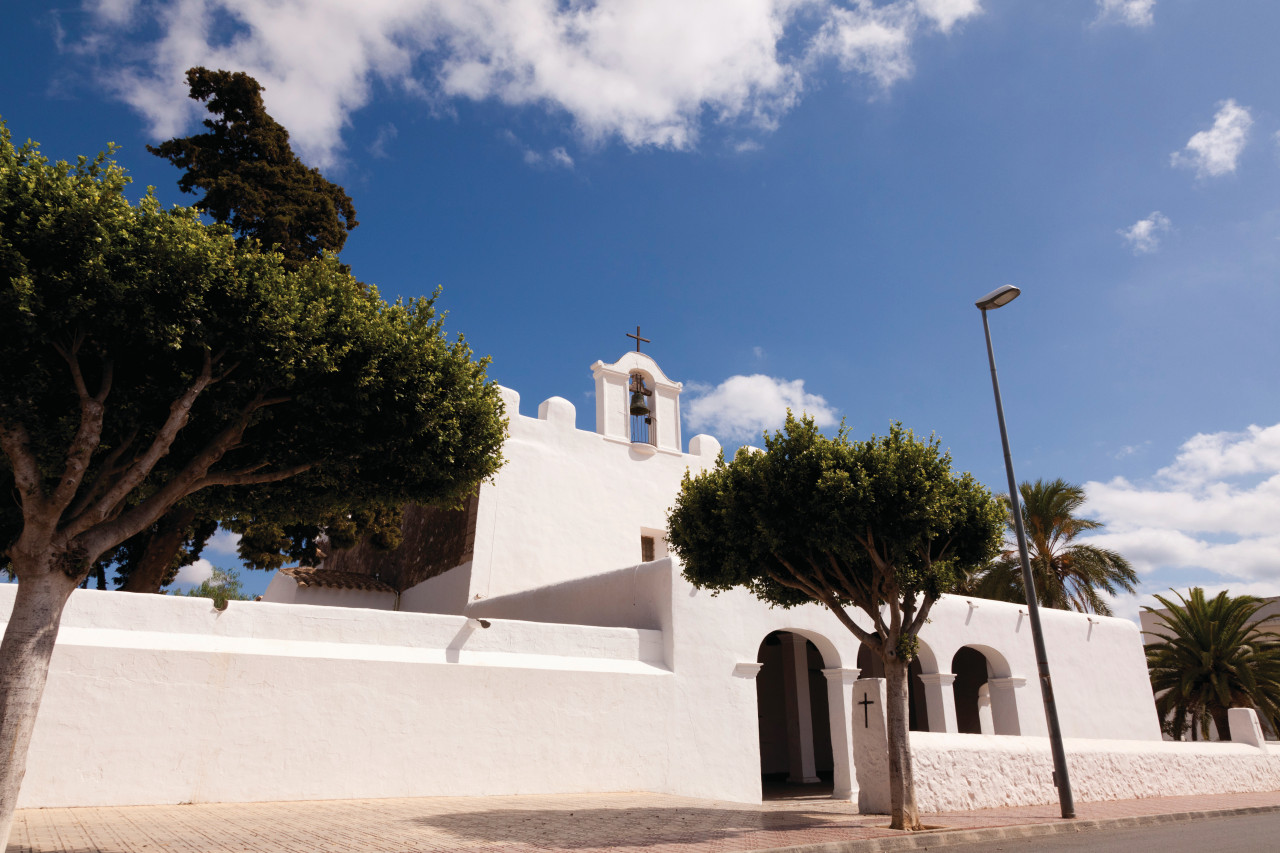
[
  {"x": 1213, "y": 655},
  {"x": 1068, "y": 576}
]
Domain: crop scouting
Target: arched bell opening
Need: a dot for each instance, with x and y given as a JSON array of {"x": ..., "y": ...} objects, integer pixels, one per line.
[
  {"x": 794, "y": 718},
  {"x": 640, "y": 408},
  {"x": 870, "y": 666}
]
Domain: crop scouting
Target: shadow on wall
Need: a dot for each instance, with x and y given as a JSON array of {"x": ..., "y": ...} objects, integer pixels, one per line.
[{"x": 624, "y": 598}]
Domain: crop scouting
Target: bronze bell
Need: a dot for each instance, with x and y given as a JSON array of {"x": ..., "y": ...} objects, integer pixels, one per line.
[{"x": 638, "y": 405}]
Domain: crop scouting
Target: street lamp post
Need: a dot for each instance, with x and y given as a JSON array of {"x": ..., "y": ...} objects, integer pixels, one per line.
[{"x": 1003, "y": 296}]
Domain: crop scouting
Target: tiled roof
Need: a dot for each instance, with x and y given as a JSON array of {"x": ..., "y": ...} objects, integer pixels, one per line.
[{"x": 307, "y": 576}]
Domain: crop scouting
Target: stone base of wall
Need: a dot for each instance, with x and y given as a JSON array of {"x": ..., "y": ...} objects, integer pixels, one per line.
[{"x": 955, "y": 772}]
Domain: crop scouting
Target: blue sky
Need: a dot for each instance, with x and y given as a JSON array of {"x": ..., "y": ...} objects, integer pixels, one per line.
[{"x": 798, "y": 201}]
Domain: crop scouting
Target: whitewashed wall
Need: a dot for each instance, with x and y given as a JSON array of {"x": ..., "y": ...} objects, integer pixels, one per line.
[
  {"x": 157, "y": 699},
  {"x": 961, "y": 772},
  {"x": 569, "y": 503}
]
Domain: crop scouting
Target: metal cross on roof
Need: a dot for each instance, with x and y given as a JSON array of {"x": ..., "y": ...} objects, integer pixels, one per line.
[{"x": 638, "y": 338}]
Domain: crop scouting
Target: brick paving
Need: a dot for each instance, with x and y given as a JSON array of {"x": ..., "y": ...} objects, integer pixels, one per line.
[{"x": 582, "y": 823}]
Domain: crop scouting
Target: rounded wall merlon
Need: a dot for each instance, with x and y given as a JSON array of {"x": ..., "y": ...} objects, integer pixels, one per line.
[
  {"x": 706, "y": 446},
  {"x": 558, "y": 411},
  {"x": 510, "y": 401}
]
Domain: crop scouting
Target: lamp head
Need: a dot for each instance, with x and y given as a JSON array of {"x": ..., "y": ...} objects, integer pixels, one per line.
[{"x": 1002, "y": 295}]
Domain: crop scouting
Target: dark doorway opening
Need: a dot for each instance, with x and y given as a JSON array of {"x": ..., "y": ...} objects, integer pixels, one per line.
[{"x": 794, "y": 721}]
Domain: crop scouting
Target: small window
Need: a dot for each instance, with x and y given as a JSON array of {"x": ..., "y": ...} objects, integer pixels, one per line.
[{"x": 646, "y": 549}]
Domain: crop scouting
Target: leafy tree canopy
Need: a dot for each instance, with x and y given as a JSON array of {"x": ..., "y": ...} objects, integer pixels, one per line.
[
  {"x": 146, "y": 357},
  {"x": 882, "y": 526},
  {"x": 250, "y": 176}
]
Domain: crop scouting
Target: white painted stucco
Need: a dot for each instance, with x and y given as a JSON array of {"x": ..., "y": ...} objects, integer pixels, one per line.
[{"x": 597, "y": 672}]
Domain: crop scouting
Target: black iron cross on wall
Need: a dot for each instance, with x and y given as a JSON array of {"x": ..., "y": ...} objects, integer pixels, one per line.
[
  {"x": 866, "y": 720},
  {"x": 638, "y": 338}
]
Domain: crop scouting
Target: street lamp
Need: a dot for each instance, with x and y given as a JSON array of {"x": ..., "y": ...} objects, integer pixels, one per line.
[{"x": 996, "y": 298}]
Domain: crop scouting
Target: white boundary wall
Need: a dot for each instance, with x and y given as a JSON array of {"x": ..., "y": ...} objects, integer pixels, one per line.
[
  {"x": 962, "y": 772},
  {"x": 160, "y": 699},
  {"x": 157, "y": 699}
]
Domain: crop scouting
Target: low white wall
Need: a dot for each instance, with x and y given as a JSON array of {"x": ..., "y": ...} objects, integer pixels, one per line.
[
  {"x": 158, "y": 699},
  {"x": 961, "y": 772}
]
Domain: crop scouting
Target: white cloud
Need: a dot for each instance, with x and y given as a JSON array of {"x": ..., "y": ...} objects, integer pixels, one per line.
[
  {"x": 876, "y": 40},
  {"x": 947, "y": 13},
  {"x": 224, "y": 545},
  {"x": 386, "y": 133},
  {"x": 1216, "y": 455},
  {"x": 1144, "y": 235},
  {"x": 1214, "y": 508},
  {"x": 560, "y": 157},
  {"x": 196, "y": 573},
  {"x": 1133, "y": 13},
  {"x": 741, "y": 407},
  {"x": 645, "y": 72},
  {"x": 1215, "y": 152}
]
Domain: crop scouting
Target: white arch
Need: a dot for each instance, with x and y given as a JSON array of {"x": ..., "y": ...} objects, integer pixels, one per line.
[
  {"x": 1002, "y": 687},
  {"x": 839, "y": 708}
]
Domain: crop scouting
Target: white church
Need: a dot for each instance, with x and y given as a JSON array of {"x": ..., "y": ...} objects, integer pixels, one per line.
[{"x": 552, "y": 646}]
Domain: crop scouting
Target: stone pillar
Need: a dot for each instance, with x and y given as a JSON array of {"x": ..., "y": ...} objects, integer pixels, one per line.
[
  {"x": 940, "y": 697},
  {"x": 840, "y": 702},
  {"x": 795, "y": 674},
  {"x": 1004, "y": 704},
  {"x": 870, "y": 746},
  {"x": 986, "y": 724},
  {"x": 1244, "y": 727}
]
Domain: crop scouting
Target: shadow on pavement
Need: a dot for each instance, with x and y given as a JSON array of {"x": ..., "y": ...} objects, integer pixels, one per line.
[{"x": 621, "y": 828}]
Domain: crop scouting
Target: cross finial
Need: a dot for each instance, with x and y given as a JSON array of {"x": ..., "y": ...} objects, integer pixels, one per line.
[{"x": 638, "y": 338}]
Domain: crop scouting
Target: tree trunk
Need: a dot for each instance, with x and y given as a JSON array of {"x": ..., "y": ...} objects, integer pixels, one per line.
[
  {"x": 902, "y": 786},
  {"x": 1219, "y": 715},
  {"x": 24, "y": 666},
  {"x": 149, "y": 572}
]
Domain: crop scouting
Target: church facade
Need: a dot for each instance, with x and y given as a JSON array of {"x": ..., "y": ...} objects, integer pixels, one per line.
[{"x": 552, "y": 646}]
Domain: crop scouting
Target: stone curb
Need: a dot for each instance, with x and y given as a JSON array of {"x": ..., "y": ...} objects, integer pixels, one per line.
[{"x": 933, "y": 839}]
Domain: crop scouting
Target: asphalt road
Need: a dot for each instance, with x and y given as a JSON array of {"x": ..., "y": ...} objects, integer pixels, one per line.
[{"x": 1245, "y": 834}]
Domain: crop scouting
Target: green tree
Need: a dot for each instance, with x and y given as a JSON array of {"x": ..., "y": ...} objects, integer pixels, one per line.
[
  {"x": 250, "y": 176},
  {"x": 1068, "y": 575},
  {"x": 222, "y": 586},
  {"x": 147, "y": 359},
  {"x": 255, "y": 183},
  {"x": 881, "y": 526},
  {"x": 1210, "y": 655}
]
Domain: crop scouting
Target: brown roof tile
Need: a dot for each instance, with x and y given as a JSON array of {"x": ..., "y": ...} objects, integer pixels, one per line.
[{"x": 307, "y": 576}]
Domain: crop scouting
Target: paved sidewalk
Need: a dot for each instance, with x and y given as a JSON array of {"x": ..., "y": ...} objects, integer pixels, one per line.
[{"x": 643, "y": 823}]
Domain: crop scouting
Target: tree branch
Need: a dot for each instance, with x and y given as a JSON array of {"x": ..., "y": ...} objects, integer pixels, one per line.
[
  {"x": 16, "y": 442},
  {"x": 107, "y": 470},
  {"x": 192, "y": 478},
  {"x": 88, "y": 434},
  {"x": 179, "y": 414},
  {"x": 801, "y": 585},
  {"x": 251, "y": 477}
]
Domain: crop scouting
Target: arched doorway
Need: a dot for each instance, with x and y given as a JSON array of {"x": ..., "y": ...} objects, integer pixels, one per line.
[
  {"x": 984, "y": 693},
  {"x": 970, "y": 668},
  {"x": 870, "y": 666},
  {"x": 794, "y": 717}
]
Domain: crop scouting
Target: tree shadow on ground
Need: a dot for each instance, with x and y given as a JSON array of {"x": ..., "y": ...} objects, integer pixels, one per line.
[{"x": 641, "y": 827}]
